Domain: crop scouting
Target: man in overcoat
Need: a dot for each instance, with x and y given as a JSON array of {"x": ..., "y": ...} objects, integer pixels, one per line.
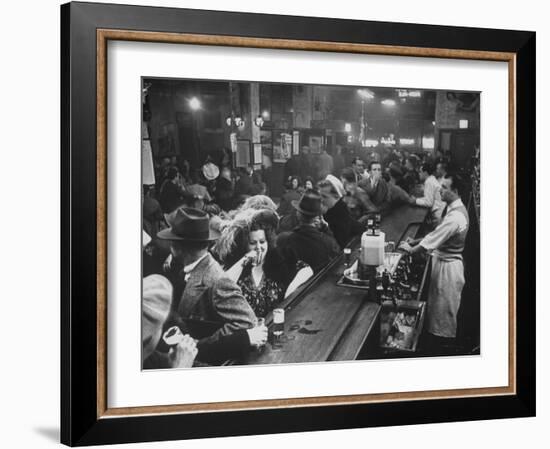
[{"x": 202, "y": 292}]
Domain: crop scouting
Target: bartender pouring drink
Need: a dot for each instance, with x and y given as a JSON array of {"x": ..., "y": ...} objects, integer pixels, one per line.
[{"x": 445, "y": 243}]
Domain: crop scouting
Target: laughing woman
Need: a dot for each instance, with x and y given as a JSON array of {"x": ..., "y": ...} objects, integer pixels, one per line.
[{"x": 247, "y": 250}]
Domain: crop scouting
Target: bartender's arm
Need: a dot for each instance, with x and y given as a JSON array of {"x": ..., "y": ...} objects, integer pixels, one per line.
[
  {"x": 431, "y": 241},
  {"x": 412, "y": 241},
  {"x": 411, "y": 247}
]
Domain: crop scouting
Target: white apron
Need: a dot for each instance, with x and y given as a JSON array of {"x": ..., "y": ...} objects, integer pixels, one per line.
[{"x": 446, "y": 283}]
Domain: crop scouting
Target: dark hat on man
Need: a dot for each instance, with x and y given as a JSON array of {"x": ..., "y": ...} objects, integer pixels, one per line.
[
  {"x": 309, "y": 204},
  {"x": 190, "y": 224}
]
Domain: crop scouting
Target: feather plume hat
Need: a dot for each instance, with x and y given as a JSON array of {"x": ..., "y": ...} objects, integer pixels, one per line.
[{"x": 236, "y": 230}]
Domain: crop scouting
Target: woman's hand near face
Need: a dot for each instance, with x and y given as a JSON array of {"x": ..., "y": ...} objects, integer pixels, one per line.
[{"x": 251, "y": 257}]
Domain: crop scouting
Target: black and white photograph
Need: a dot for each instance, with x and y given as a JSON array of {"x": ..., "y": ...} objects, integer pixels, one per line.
[{"x": 305, "y": 223}]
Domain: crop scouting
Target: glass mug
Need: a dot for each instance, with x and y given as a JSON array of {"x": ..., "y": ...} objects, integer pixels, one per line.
[
  {"x": 255, "y": 261},
  {"x": 278, "y": 322}
]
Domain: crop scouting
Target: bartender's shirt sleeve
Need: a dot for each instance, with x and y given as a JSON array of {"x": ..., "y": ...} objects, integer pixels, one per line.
[{"x": 439, "y": 235}]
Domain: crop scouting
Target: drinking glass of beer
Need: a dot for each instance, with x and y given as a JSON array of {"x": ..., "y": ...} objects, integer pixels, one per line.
[{"x": 278, "y": 322}]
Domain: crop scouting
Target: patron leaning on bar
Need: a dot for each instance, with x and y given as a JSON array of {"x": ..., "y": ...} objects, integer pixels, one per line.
[
  {"x": 247, "y": 249},
  {"x": 336, "y": 212},
  {"x": 307, "y": 242}
]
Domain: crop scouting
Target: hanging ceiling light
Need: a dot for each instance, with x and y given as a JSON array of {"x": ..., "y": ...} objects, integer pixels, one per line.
[
  {"x": 259, "y": 121},
  {"x": 194, "y": 103},
  {"x": 365, "y": 94}
]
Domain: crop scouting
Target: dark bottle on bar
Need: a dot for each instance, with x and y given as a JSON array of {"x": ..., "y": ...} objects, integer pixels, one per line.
[
  {"x": 386, "y": 280},
  {"x": 347, "y": 257}
]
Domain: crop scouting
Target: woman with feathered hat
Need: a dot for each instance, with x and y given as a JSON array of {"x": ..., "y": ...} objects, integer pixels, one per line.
[{"x": 247, "y": 251}]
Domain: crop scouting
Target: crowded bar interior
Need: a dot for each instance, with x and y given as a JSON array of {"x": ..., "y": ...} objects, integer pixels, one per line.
[{"x": 291, "y": 223}]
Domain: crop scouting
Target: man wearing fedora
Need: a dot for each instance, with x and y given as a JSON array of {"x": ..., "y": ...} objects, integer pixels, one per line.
[
  {"x": 306, "y": 242},
  {"x": 201, "y": 290}
]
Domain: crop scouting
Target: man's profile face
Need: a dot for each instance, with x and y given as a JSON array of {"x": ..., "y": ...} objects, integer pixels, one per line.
[
  {"x": 176, "y": 251},
  {"x": 327, "y": 198},
  {"x": 447, "y": 194}
]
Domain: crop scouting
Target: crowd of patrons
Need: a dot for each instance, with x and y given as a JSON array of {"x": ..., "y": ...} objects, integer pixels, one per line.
[{"x": 219, "y": 254}]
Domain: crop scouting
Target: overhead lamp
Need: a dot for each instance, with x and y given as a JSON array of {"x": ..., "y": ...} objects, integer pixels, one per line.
[
  {"x": 238, "y": 121},
  {"x": 365, "y": 94},
  {"x": 194, "y": 103},
  {"x": 388, "y": 102}
]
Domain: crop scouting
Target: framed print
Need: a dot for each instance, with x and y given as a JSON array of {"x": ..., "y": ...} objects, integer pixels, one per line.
[
  {"x": 282, "y": 146},
  {"x": 251, "y": 250},
  {"x": 243, "y": 153}
]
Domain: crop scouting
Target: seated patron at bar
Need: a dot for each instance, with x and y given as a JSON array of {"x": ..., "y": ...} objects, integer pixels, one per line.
[
  {"x": 376, "y": 188},
  {"x": 358, "y": 167},
  {"x": 225, "y": 190},
  {"x": 247, "y": 248},
  {"x": 171, "y": 193},
  {"x": 293, "y": 192},
  {"x": 196, "y": 188},
  {"x": 336, "y": 212},
  {"x": 307, "y": 242},
  {"x": 397, "y": 195},
  {"x": 432, "y": 192},
  {"x": 410, "y": 177},
  {"x": 157, "y": 299},
  {"x": 201, "y": 290},
  {"x": 355, "y": 197}
]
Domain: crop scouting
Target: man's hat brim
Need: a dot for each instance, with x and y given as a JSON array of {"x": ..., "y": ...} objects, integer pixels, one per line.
[
  {"x": 296, "y": 205},
  {"x": 167, "y": 234}
]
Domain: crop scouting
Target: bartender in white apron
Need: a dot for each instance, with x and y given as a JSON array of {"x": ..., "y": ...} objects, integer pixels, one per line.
[{"x": 446, "y": 244}]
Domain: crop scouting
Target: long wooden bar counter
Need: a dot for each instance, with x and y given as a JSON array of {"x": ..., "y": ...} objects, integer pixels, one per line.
[{"x": 325, "y": 321}]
